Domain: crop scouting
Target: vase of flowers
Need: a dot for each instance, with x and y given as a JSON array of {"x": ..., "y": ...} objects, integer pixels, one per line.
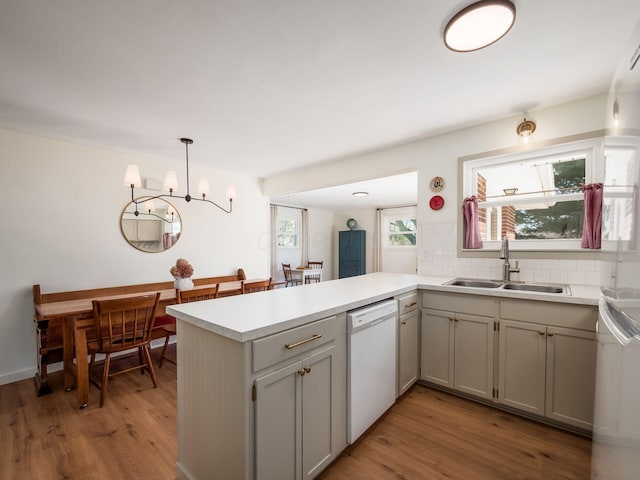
[{"x": 182, "y": 272}]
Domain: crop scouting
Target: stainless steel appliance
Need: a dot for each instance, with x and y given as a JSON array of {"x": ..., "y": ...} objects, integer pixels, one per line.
[
  {"x": 616, "y": 423},
  {"x": 371, "y": 377}
]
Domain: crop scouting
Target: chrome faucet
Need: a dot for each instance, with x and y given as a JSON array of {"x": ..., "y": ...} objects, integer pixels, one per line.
[{"x": 506, "y": 266}]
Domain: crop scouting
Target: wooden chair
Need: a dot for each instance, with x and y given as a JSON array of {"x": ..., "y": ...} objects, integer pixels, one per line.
[
  {"x": 121, "y": 325},
  {"x": 314, "y": 266},
  {"x": 256, "y": 286},
  {"x": 185, "y": 296},
  {"x": 197, "y": 294},
  {"x": 288, "y": 275}
]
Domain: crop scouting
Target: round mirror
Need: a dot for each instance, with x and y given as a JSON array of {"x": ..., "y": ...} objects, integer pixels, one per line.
[{"x": 151, "y": 225}]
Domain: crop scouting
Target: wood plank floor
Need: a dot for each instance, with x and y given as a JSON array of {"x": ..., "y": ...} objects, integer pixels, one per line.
[{"x": 426, "y": 435}]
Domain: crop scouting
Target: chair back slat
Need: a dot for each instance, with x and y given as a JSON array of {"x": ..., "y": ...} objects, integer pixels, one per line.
[
  {"x": 256, "y": 286},
  {"x": 124, "y": 323},
  {"x": 197, "y": 294}
]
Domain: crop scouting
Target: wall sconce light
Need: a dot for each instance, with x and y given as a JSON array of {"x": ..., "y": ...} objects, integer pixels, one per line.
[
  {"x": 509, "y": 191},
  {"x": 479, "y": 25},
  {"x": 526, "y": 129},
  {"x": 132, "y": 179},
  {"x": 360, "y": 194},
  {"x": 616, "y": 114}
]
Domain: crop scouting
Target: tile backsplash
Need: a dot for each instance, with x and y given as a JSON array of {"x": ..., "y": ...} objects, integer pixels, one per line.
[{"x": 437, "y": 256}]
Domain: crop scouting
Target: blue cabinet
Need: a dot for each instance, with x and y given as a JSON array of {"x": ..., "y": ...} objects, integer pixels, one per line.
[{"x": 352, "y": 253}]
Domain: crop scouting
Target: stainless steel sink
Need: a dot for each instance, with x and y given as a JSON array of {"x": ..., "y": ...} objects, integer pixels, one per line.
[
  {"x": 530, "y": 287},
  {"x": 521, "y": 286},
  {"x": 475, "y": 283}
]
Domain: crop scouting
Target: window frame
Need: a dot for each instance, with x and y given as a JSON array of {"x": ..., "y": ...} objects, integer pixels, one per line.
[
  {"x": 594, "y": 147},
  {"x": 393, "y": 214},
  {"x": 295, "y": 235}
]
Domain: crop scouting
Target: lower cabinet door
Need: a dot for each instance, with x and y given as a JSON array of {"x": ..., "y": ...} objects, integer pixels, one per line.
[
  {"x": 521, "y": 366},
  {"x": 437, "y": 347},
  {"x": 409, "y": 348},
  {"x": 473, "y": 355},
  {"x": 317, "y": 410},
  {"x": 278, "y": 426},
  {"x": 571, "y": 373},
  {"x": 294, "y": 412}
]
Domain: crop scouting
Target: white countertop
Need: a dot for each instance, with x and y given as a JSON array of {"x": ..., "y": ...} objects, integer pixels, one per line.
[{"x": 247, "y": 317}]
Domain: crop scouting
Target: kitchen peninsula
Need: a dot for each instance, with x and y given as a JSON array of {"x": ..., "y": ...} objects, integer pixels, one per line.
[{"x": 262, "y": 377}]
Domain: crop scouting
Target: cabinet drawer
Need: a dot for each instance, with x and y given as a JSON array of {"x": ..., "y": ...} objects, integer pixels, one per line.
[
  {"x": 291, "y": 343},
  {"x": 471, "y": 304},
  {"x": 407, "y": 303},
  {"x": 583, "y": 317}
]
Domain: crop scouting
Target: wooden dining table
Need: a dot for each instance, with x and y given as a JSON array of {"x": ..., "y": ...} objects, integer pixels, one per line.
[{"x": 78, "y": 326}]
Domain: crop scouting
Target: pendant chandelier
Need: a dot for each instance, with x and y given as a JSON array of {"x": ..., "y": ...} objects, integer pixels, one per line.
[{"x": 132, "y": 179}]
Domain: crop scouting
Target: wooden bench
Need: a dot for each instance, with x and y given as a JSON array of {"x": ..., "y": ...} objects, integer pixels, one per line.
[{"x": 49, "y": 330}]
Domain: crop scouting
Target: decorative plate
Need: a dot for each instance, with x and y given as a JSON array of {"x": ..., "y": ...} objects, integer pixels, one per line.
[
  {"x": 436, "y": 202},
  {"x": 436, "y": 184}
]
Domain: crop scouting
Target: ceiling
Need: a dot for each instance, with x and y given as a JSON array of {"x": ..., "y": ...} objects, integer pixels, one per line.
[
  {"x": 267, "y": 86},
  {"x": 394, "y": 191}
]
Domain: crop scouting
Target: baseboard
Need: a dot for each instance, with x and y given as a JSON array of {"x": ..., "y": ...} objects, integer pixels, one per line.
[
  {"x": 17, "y": 376},
  {"x": 20, "y": 375}
]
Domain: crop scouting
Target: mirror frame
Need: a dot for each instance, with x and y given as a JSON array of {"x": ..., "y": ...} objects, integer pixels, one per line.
[{"x": 134, "y": 243}]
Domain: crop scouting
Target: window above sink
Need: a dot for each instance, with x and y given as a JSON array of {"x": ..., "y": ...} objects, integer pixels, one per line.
[{"x": 534, "y": 196}]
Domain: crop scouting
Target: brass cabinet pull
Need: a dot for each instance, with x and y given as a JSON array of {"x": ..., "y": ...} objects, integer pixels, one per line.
[
  {"x": 550, "y": 334},
  {"x": 451, "y": 319},
  {"x": 455, "y": 319},
  {"x": 540, "y": 333},
  {"x": 403, "y": 322},
  {"x": 307, "y": 369},
  {"x": 302, "y": 372},
  {"x": 313, "y": 337},
  {"x": 410, "y": 305}
]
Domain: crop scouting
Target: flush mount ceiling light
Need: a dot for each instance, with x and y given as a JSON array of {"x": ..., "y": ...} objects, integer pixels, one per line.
[
  {"x": 526, "y": 129},
  {"x": 360, "y": 194},
  {"x": 132, "y": 179},
  {"x": 479, "y": 25}
]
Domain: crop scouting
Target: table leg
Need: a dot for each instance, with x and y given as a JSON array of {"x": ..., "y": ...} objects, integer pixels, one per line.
[
  {"x": 67, "y": 353},
  {"x": 76, "y": 374},
  {"x": 82, "y": 367}
]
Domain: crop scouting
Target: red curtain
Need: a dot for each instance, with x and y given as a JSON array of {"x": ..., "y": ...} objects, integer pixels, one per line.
[
  {"x": 592, "y": 225},
  {"x": 471, "y": 223}
]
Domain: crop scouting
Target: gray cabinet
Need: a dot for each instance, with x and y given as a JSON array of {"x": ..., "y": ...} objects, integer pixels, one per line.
[
  {"x": 547, "y": 357},
  {"x": 351, "y": 253},
  {"x": 300, "y": 400},
  {"x": 294, "y": 418},
  {"x": 408, "y": 342},
  {"x": 457, "y": 346}
]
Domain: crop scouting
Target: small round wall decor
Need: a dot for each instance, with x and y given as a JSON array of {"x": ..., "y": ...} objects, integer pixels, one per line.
[
  {"x": 436, "y": 202},
  {"x": 351, "y": 223},
  {"x": 436, "y": 184}
]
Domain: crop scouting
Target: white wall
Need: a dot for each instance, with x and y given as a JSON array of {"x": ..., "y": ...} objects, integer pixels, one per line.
[
  {"x": 61, "y": 228},
  {"x": 438, "y": 156}
]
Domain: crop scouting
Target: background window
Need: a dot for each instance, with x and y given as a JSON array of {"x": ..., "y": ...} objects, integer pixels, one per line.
[
  {"x": 287, "y": 233},
  {"x": 402, "y": 232}
]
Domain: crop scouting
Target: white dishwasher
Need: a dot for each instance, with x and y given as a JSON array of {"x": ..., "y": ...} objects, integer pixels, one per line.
[{"x": 371, "y": 378}]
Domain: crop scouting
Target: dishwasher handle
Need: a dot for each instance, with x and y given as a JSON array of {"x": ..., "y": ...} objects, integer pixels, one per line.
[{"x": 372, "y": 323}]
